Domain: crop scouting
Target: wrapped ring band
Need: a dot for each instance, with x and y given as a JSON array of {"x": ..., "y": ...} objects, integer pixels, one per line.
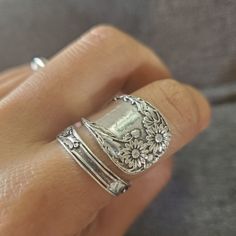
[{"x": 75, "y": 146}]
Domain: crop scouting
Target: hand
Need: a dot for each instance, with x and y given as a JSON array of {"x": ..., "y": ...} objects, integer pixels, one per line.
[{"x": 42, "y": 190}]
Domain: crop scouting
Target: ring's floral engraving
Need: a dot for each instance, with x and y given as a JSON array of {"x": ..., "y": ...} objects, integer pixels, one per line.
[
  {"x": 140, "y": 147},
  {"x": 69, "y": 138},
  {"x": 158, "y": 139},
  {"x": 134, "y": 153}
]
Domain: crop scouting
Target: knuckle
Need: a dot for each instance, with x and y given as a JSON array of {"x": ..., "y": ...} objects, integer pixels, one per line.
[
  {"x": 93, "y": 41},
  {"x": 105, "y": 41},
  {"x": 182, "y": 101},
  {"x": 100, "y": 34},
  {"x": 103, "y": 29},
  {"x": 101, "y": 40}
]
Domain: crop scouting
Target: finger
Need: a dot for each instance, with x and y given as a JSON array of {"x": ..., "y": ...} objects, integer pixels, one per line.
[
  {"x": 70, "y": 197},
  {"x": 13, "y": 77},
  {"x": 78, "y": 80},
  {"x": 8, "y": 74},
  {"x": 187, "y": 112},
  {"x": 124, "y": 210},
  {"x": 13, "y": 82}
]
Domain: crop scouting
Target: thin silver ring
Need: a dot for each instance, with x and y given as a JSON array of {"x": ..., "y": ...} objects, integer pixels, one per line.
[
  {"x": 38, "y": 63},
  {"x": 81, "y": 153}
]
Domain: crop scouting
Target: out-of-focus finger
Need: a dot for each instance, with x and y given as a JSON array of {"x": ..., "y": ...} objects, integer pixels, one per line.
[
  {"x": 12, "y": 73},
  {"x": 13, "y": 82}
]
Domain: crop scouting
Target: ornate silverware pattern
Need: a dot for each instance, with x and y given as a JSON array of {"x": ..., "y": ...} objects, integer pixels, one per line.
[{"x": 144, "y": 135}]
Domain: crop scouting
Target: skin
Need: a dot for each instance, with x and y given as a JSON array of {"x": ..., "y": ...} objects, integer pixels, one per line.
[{"x": 42, "y": 190}]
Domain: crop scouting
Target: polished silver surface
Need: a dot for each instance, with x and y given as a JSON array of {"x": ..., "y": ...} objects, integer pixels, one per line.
[
  {"x": 38, "y": 63},
  {"x": 75, "y": 146},
  {"x": 132, "y": 132}
]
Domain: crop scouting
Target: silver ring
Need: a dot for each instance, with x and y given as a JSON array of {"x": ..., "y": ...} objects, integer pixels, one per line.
[
  {"x": 38, "y": 63},
  {"x": 75, "y": 146},
  {"x": 132, "y": 132}
]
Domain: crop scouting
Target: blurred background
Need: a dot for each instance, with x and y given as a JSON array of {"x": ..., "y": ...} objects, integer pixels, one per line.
[{"x": 197, "y": 40}]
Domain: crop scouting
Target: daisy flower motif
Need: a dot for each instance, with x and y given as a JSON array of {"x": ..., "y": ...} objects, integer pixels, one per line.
[
  {"x": 134, "y": 154},
  {"x": 151, "y": 119},
  {"x": 158, "y": 139}
]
